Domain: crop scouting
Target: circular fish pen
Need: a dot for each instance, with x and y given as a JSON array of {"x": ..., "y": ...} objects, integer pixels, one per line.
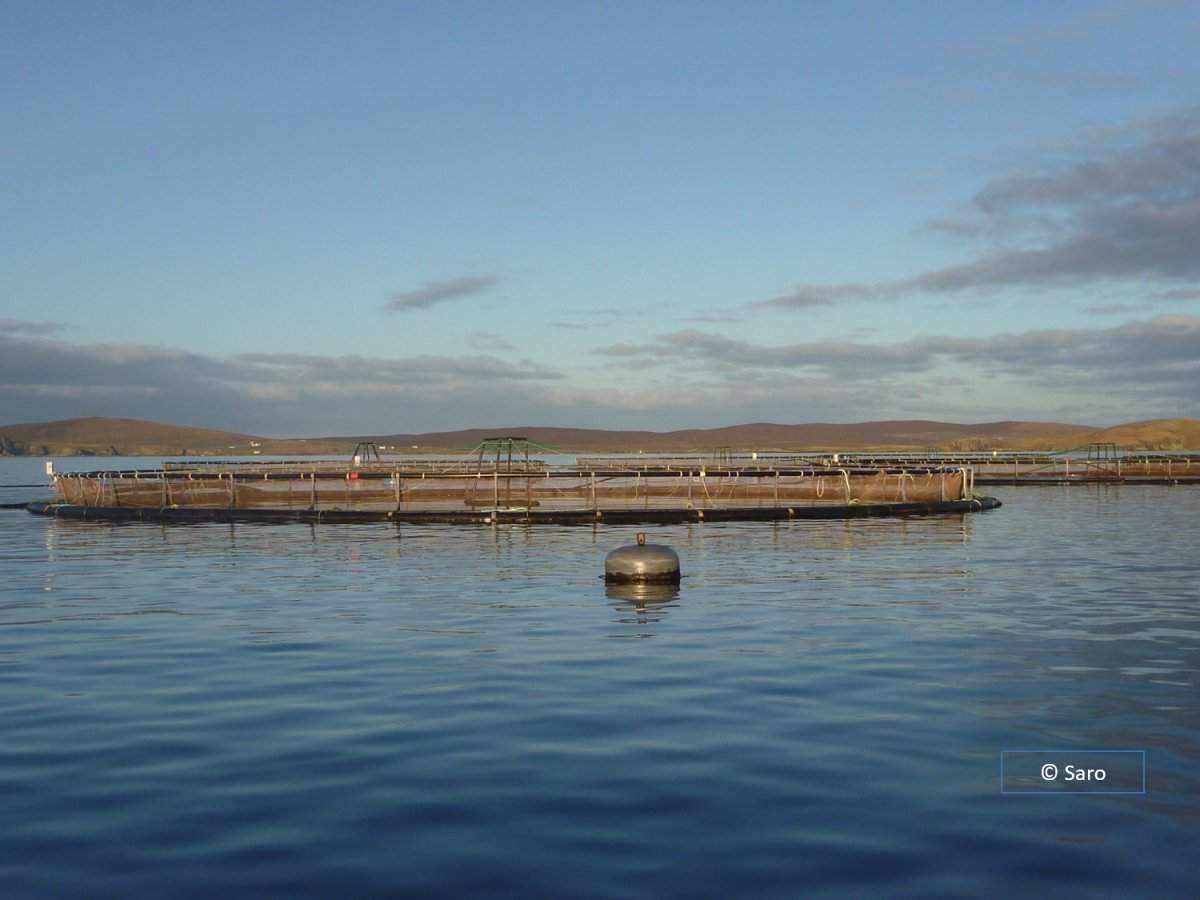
[{"x": 512, "y": 487}]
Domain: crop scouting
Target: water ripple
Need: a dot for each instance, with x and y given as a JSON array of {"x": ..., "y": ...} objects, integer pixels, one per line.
[{"x": 818, "y": 709}]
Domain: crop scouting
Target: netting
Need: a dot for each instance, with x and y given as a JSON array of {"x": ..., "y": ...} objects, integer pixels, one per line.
[{"x": 552, "y": 489}]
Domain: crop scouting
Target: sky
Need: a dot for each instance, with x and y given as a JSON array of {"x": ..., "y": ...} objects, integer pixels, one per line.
[{"x": 339, "y": 218}]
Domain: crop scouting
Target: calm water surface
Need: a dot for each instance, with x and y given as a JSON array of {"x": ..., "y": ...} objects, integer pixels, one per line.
[{"x": 372, "y": 710}]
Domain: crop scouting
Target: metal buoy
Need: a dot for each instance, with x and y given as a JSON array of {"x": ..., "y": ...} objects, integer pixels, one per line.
[{"x": 642, "y": 563}]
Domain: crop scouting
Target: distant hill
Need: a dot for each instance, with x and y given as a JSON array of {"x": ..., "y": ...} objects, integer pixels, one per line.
[
  {"x": 101, "y": 436},
  {"x": 104, "y": 436},
  {"x": 902, "y": 435},
  {"x": 1155, "y": 434}
]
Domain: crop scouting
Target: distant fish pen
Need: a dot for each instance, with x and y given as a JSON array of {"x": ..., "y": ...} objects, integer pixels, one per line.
[
  {"x": 502, "y": 481},
  {"x": 1090, "y": 464}
]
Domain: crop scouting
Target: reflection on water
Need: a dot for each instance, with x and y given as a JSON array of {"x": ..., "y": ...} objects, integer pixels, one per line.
[
  {"x": 441, "y": 711},
  {"x": 641, "y": 604}
]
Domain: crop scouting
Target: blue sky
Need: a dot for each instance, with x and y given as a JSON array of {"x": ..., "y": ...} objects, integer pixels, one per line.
[{"x": 365, "y": 218}]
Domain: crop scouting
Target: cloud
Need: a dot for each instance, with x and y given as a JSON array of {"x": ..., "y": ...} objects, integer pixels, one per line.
[
  {"x": 439, "y": 291},
  {"x": 713, "y": 318},
  {"x": 1123, "y": 205},
  {"x": 722, "y": 356},
  {"x": 1090, "y": 85},
  {"x": 1158, "y": 357},
  {"x": 17, "y": 326},
  {"x": 1142, "y": 241},
  {"x": 1180, "y": 294},
  {"x": 486, "y": 340},
  {"x": 1075, "y": 26},
  {"x": 1117, "y": 204},
  {"x": 284, "y": 393},
  {"x": 811, "y": 296},
  {"x": 588, "y": 318},
  {"x": 1140, "y": 369},
  {"x": 345, "y": 374},
  {"x": 1153, "y": 160},
  {"x": 683, "y": 378}
]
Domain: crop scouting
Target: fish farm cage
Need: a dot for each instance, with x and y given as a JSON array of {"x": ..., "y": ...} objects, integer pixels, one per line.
[
  {"x": 1089, "y": 464},
  {"x": 505, "y": 482}
]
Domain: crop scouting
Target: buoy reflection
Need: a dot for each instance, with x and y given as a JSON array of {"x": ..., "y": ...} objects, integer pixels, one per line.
[{"x": 642, "y": 604}]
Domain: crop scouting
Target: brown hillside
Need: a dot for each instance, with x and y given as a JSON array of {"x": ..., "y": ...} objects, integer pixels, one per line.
[
  {"x": 133, "y": 437},
  {"x": 101, "y": 436},
  {"x": 101, "y": 429},
  {"x": 900, "y": 435},
  {"x": 1153, "y": 434}
]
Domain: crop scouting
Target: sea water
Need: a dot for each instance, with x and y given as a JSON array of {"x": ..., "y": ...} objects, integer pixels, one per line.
[{"x": 821, "y": 709}]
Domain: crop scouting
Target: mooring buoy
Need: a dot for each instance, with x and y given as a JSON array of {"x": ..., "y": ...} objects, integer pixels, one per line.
[{"x": 642, "y": 563}]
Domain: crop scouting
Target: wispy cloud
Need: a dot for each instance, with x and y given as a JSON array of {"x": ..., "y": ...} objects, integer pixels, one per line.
[
  {"x": 1090, "y": 85},
  {"x": 1075, "y": 26},
  {"x": 18, "y": 326},
  {"x": 292, "y": 393},
  {"x": 1080, "y": 374},
  {"x": 486, "y": 340},
  {"x": 673, "y": 379},
  {"x": 713, "y": 318},
  {"x": 1180, "y": 294},
  {"x": 439, "y": 291},
  {"x": 1118, "y": 204},
  {"x": 347, "y": 374},
  {"x": 584, "y": 319},
  {"x": 1160, "y": 355},
  {"x": 813, "y": 296}
]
